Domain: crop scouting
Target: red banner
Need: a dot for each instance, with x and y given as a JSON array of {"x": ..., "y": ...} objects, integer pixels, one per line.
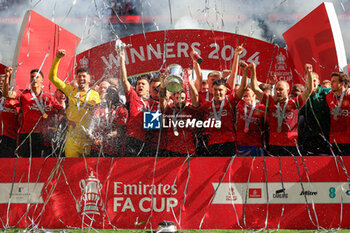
[
  {"x": 37, "y": 43},
  {"x": 317, "y": 40},
  {"x": 208, "y": 193},
  {"x": 155, "y": 50}
]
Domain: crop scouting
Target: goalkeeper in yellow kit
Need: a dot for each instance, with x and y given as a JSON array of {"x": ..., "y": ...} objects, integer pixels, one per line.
[{"x": 81, "y": 101}]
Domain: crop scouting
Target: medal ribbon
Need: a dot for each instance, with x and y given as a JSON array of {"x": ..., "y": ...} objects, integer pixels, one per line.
[
  {"x": 337, "y": 109},
  {"x": 216, "y": 115},
  {"x": 249, "y": 117},
  {"x": 2, "y": 103},
  {"x": 146, "y": 106},
  {"x": 176, "y": 132},
  {"x": 110, "y": 120},
  {"x": 40, "y": 105},
  {"x": 281, "y": 112}
]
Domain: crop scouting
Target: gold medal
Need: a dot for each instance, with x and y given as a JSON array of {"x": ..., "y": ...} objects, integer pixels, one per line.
[
  {"x": 45, "y": 115},
  {"x": 335, "y": 117},
  {"x": 246, "y": 129},
  {"x": 176, "y": 133},
  {"x": 279, "y": 129}
]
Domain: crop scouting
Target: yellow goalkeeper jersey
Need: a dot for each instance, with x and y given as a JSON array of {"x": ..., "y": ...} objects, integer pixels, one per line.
[{"x": 81, "y": 103}]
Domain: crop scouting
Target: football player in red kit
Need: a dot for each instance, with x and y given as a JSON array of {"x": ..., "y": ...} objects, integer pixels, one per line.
[
  {"x": 220, "y": 140},
  {"x": 249, "y": 123},
  {"x": 9, "y": 109},
  {"x": 138, "y": 100},
  {"x": 283, "y": 114},
  {"x": 180, "y": 140},
  {"x": 338, "y": 101},
  {"x": 36, "y": 106}
]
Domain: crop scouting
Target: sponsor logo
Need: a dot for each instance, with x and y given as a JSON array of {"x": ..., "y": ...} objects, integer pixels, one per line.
[
  {"x": 90, "y": 199},
  {"x": 280, "y": 62},
  {"x": 308, "y": 193},
  {"x": 151, "y": 120},
  {"x": 133, "y": 197},
  {"x": 255, "y": 193},
  {"x": 191, "y": 123},
  {"x": 332, "y": 192},
  {"x": 231, "y": 195},
  {"x": 84, "y": 62},
  {"x": 280, "y": 193},
  {"x": 21, "y": 193}
]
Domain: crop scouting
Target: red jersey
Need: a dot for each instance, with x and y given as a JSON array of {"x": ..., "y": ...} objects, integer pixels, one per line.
[
  {"x": 184, "y": 141},
  {"x": 287, "y": 133},
  {"x": 154, "y": 133},
  {"x": 249, "y": 134},
  {"x": 9, "y": 109},
  {"x": 227, "y": 132},
  {"x": 135, "y": 123},
  {"x": 32, "y": 113},
  {"x": 340, "y": 119},
  {"x": 107, "y": 120}
]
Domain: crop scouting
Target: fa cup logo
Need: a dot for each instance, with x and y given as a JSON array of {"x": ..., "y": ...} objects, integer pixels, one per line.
[{"x": 90, "y": 195}]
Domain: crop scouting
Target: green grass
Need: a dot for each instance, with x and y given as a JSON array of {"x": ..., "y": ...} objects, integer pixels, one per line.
[{"x": 180, "y": 231}]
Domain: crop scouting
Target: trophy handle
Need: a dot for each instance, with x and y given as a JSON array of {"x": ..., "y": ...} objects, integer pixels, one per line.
[{"x": 82, "y": 185}]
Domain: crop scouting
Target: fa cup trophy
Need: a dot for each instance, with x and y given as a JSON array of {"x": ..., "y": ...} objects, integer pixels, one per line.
[{"x": 173, "y": 81}]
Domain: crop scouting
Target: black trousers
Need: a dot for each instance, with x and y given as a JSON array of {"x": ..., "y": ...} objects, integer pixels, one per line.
[
  {"x": 135, "y": 148},
  {"x": 226, "y": 149},
  {"x": 31, "y": 146},
  {"x": 341, "y": 149},
  {"x": 283, "y": 150},
  {"x": 314, "y": 146},
  {"x": 7, "y": 147}
]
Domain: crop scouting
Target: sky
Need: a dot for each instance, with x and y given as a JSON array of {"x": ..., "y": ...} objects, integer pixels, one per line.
[{"x": 88, "y": 18}]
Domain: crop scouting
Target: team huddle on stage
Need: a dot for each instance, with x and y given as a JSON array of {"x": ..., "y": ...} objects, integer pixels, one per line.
[{"x": 245, "y": 119}]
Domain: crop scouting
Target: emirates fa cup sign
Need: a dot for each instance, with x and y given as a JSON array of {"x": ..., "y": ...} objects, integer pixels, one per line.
[{"x": 90, "y": 198}]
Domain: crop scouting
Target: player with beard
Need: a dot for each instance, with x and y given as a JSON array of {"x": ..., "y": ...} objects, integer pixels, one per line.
[
  {"x": 249, "y": 121},
  {"x": 339, "y": 106},
  {"x": 138, "y": 100},
  {"x": 81, "y": 101},
  {"x": 283, "y": 115},
  {"x": 36, "y": 107},
  {"x": 220, "y": 141},
  {"x": 214, "y": 75},
  {"x": 180, "y": 140},
  {"x": 9, "y": 109}
]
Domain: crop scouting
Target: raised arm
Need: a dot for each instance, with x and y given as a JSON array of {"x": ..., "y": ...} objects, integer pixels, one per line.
[
  {"x": 309, "y": 81},
  {"x": 162, "y": 93},
  {"x": 5, "y": 91},
  {"x": 54, "y": 68},
  {"x": 124, "y": 76},
  {"x": 198, "y": 71},
  {"x": 254, "y": 82},
  {"x": 244, "y": 66},
  {"x": 234, "y": 70},
  {"x": 194, "y": 94}
]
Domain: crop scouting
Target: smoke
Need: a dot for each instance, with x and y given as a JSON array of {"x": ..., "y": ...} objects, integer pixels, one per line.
[
  {"x": 265, "y": 20},
  {"x": 85, "y": 18}
]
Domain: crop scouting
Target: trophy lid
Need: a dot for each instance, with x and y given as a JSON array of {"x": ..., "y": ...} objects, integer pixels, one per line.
[{"x": 167, "y": 227}]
